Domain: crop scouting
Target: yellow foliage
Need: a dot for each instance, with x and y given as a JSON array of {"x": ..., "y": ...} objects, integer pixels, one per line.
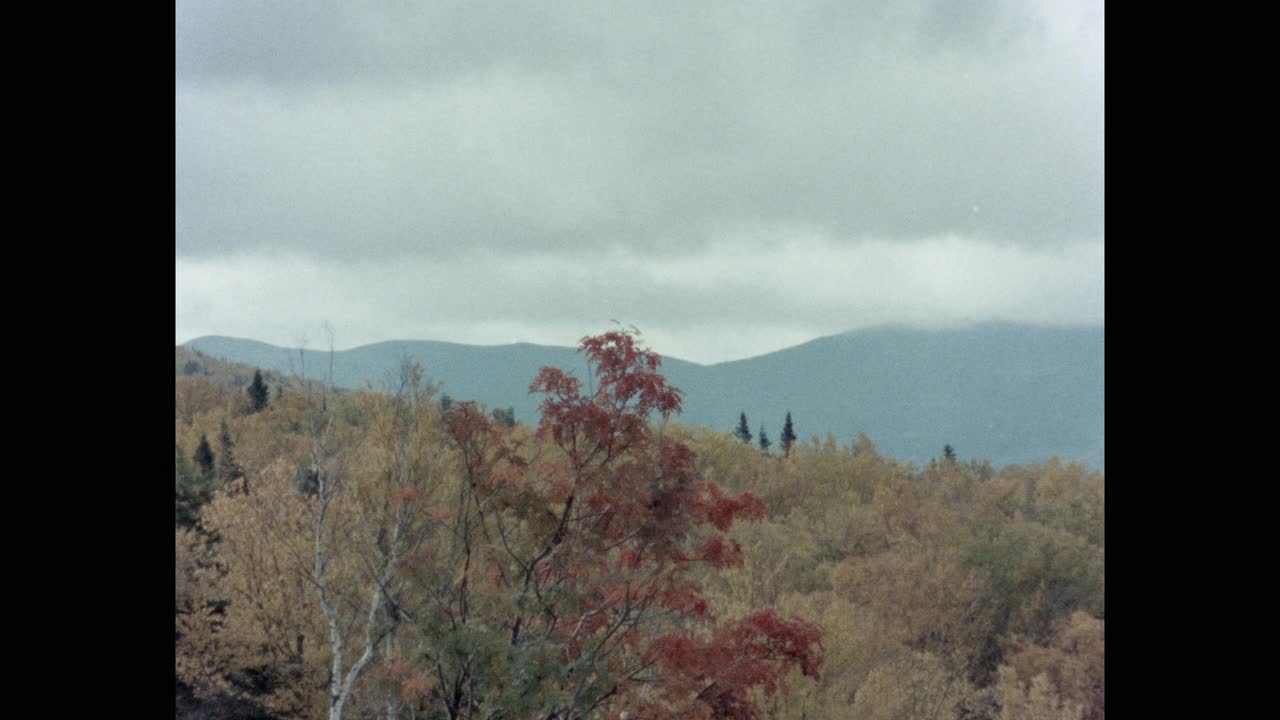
[
  {"x": 912, "y": 686},
  {"x": 267, "y": 602},
  {"x": 1034, "y": 700},
  {"x": 1072, "y": 669},
  {"x": 916, "y": 577}
]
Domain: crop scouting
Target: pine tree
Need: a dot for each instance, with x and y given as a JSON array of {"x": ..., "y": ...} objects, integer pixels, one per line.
[
  {"x": 505, "y": 417},
  {"x": 186, "y": 492},
  {"x": 203, "y": 456},
  {"x": 788, "y": 436},
  {"x": 764, "y": 441},
  {"x": 743, "y": 433},
  {"x": 228, "y": 469},
  {"x": 948, "y": 453},
  {"x": 193, "y": 485},
  {"x": 258, "y": 391}
]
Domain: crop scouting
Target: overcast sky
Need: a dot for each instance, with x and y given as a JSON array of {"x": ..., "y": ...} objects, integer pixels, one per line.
[{"x": 730, "y": 177}]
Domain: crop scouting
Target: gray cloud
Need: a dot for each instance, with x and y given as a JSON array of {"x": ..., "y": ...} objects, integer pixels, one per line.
[
  {"x": 346, "y": 131},
  {"x": 544, "y": 137},
  {"x": 736, "y": 297}
]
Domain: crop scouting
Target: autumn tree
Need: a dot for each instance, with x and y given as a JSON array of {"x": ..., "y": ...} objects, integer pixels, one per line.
[
  {"x": 567, "y": 586},
  {"x": 248, "y": 624},
  {"x": 259, "y": 394},
  {"x": 1066, "y": 678},
  {"x": 195, "y": 396},
  {"x": 313, "y": 586},
  {"x": 369, "y": 513},
  {"x": 577, "y": 567},
  {"x": 743, "y": 433},
  {"x": 788, "y": 436}
]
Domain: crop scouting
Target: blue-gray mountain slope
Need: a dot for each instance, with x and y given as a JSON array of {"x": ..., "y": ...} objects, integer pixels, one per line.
[{"x": 1000, "y": 392}]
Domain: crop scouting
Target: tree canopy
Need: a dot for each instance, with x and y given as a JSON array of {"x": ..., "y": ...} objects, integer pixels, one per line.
[
  {"x": 387, "y": 556},
  {"x": 480, "y": 570}
]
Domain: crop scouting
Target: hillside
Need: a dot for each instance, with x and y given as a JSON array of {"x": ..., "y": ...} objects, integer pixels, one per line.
[
  {"x": 1001, "y": 392},
  {"x": 228, "y": 374},
  {"x": 871, "y": 587}
]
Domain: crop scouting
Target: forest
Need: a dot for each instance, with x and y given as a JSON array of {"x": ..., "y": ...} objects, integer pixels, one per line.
[{"x": 388, "y": 553}]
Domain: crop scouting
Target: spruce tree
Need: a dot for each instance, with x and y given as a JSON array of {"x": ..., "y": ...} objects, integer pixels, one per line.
[
  {"x": 788, "y": 435},
  {"x": 193, "y": 484},
  {"x": 743, "y": 433},
  {"x": 505, "y": 417},
  {"x": 228, "y": 469},
  {"x": 203, "y": 457},
  {"x": 948, "y": 453},
  {"x": 764, "y": 441},
  {"x": 258, "y": 391}
]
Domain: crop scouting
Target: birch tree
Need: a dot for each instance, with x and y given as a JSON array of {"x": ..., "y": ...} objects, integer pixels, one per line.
[{"x": 367, "y": 513}]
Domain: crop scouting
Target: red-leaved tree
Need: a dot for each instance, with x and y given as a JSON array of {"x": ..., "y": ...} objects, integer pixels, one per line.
[{"x": 568, "y": 585}]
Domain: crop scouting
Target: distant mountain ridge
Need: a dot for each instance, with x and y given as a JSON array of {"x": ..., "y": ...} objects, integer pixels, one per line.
[{"x": 1001, "y": 392}]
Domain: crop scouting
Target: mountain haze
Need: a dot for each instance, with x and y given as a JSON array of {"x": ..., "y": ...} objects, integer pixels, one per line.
[{"x": 1000, "y": 392}]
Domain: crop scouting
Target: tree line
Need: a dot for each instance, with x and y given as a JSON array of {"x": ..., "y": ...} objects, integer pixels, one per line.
[
  {"x": 787, "y": 438},
  {"x": 443, "y": 563},
  {"x": 392, "y": 555}
]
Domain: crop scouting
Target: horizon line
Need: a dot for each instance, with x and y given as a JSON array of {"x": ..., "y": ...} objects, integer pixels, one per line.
[{"x": 957, "y": 327}]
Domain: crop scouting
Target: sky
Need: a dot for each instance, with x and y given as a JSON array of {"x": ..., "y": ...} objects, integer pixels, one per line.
[{"x": 729, "y": 177}]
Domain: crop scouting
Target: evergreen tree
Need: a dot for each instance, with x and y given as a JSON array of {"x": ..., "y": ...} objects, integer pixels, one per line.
[
  {"x": 788, "y": 436},
  {"x": 185, "y": 481},
  {"x": 743, "y": 433},
  {"x": 505, "y": 417},
  {"x": 228, "y": 469},
  {"x": 192, "y": 486},
  {"x": 203, "y": 457},
  {"x": 764, "y": 441},
  {"x": 258, "y": 391},
  {"x": 948, "y": 453}
]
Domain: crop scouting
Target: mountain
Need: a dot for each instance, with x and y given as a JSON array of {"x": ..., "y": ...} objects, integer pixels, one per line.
[{"x": 1000, "y": 392}]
